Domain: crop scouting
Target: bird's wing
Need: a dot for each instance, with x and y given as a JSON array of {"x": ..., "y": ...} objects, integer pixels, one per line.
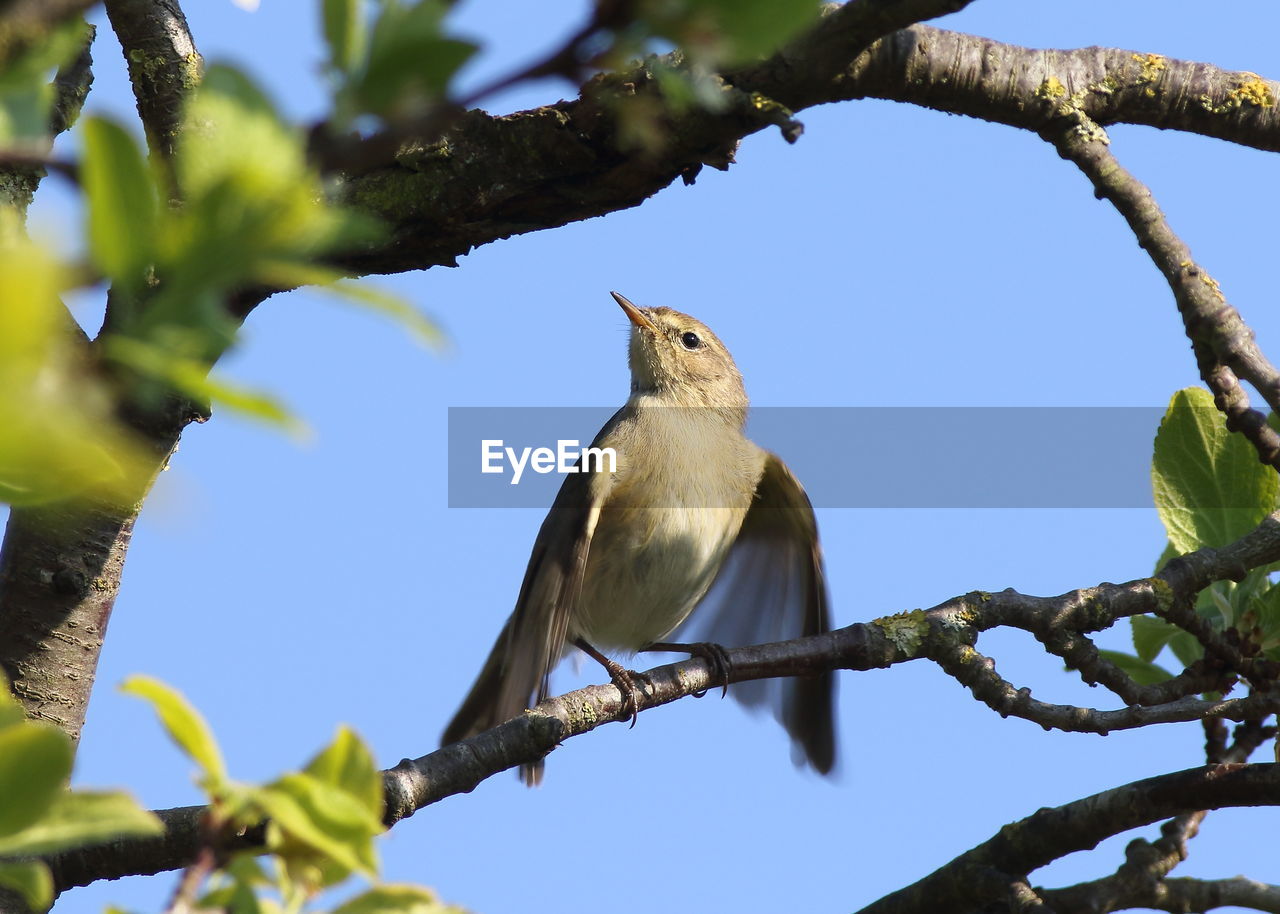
[
  {"x": 515, "y": 676},
  {"x": 771, "y": 587},
  {"x": 550, "y": 591}
]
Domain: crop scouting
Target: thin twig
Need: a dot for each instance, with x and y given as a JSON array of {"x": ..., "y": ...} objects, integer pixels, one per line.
[{"x": 1210, "y": 322}]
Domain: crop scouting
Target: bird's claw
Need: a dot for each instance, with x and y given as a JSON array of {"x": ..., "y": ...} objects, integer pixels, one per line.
[
  {"x": 717, "y": 658},
  {"x": 627, "y": 682}
]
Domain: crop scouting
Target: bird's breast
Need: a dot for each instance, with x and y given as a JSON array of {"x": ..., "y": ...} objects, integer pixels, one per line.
[{"x": 662, "y": 535}]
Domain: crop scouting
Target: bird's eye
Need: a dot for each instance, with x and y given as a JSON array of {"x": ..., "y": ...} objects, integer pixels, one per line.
[{"x": 690, "y": 340}]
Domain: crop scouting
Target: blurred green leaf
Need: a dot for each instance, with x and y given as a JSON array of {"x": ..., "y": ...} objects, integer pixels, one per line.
[
  {"x": 30, "y": 880},
  {"x": 380, "y": 301},
  {"x": 236, "y": 898},
  {"x": 344, "y": 32},
  {"x": 326, "y": 819},
  {"x": 26, "y": 91},
  {"x": 719, "y": 33},
  {"x": 233, "y": 888},
  {"x": 411, "y": 61},
  {"x": 1266, "y": 609},
  {"x": 121, "y": 202},
  {"x": 35, "y": 763},
  {"x": 60, "y": 437},
  {"x": 241, "y": 212},
  {"x": 1225, "y": 611},
  {"x": 1186, "y": 648},
  {"x": 10, "y": 710},
  {"x": 1209, "y": 487},
  {"x": 347, "y": 764},
  {"x": 79, "y": 818},
  {"x": 191, "y": 377},
  {"x": 1143, "y": 672},
  {"x": 1150, "y": 635},
  {"x": 395, "y": 899},
  {"x": 184, "y": 725}
]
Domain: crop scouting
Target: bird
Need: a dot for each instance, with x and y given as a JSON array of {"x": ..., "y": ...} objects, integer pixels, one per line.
[{"x": 692, "y": 506}]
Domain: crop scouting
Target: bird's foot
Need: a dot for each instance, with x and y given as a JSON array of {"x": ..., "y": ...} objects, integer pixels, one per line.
[
  {"x": 716, "y": 655},
  {"x": 630, "y": 683}
]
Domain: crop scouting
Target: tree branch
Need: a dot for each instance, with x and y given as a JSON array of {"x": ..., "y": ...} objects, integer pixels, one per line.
[
  {"x": 920, "y": 634},
  {"x": 1028, "y": 87},
  {"x": 60, "y": 564},
  {"x": 1224, "y": 345},
  {"x": 164, "y": 64},
  {"x": 21, "y": 170},
  {"x": 1048, "y": 834},
  {"x": 573, "y": 160},
  {"x": 569, "y": 161},
  {"x": 1141, "y": 879}
]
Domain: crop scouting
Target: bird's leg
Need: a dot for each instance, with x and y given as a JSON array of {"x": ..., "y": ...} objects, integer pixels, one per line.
[
  {"x": 715, "y": 654},
  {"x": 622, "y": 677}
]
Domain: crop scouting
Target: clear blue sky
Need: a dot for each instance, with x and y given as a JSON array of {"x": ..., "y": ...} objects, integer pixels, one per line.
[{"x": 892, "y": 257}]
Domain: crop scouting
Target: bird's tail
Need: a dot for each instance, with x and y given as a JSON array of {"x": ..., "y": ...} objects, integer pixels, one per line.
[{"x": 483, "y": 708}]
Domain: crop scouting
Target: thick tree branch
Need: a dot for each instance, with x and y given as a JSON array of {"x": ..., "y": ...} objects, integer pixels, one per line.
[
  {"x": 1179, "y": 896},
  {"x": 1039, "y": 839},
  {"x": 569, "y": 161},
  {"x": 573, "y": 160},
  {"x": 164, "y": 64},
  {"x": 60, "y": 568},
  {"x": 60, "y": 564},
  {"x": 1029, "y": 88},
  {"x": 1141, "y": 879}
]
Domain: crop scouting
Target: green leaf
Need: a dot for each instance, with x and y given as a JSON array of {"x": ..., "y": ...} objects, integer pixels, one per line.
[
  {"x": 1209, "y": 487},
  {"x": 241, "y": 212},
  {"x": 121, "y": 202},
  {"x": 411, "y": 61},
  {"x": 35, "y": 763},
  {"x": 1186, "y": 648},
  {"x": 237, "y": 898},
  {"x": 26, "y": 94},
  {"x": 30, "y": 880},
  {"x": 728, "y": 32},
  {"x": 344, "y": 32},
  {"x": 59, "y": 437},
  {"x": 1150, "y": 635},
  {"x": 1267, "y": 609},
  {"x": 184, "y": 725},
  {"x": 1169, "y": 554},
  {"x": 1143, "y": 672},
  {"x": 191, "y": 377},
  {"x": 10, "y": 711},
  {"x": 394, "y": 899},
  {"x": 380, "y": 301},
  {"x": 327, "y": 820},
  {"x": 347, "y": 764},
  {"x": 79, "y": 818}
]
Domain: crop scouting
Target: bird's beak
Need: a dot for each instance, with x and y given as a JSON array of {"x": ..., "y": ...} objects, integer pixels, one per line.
[{"x": 634, "y": 314}]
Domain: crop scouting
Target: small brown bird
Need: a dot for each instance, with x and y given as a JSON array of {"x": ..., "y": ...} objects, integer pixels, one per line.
[{"x": 624, "y": 558}]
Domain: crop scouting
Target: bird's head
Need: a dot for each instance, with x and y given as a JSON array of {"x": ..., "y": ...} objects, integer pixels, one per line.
[{"x": 678, "y": 359}]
